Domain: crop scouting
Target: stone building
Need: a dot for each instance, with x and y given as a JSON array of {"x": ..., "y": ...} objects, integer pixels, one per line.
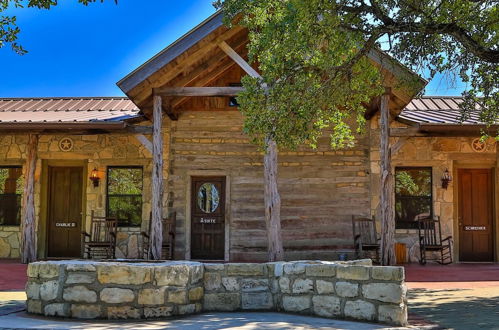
[{"x": 213, "y": 175}]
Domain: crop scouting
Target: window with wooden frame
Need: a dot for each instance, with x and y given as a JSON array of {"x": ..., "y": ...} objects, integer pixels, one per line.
[
  {"x": 124, "y": 194},
  {"x": 11, "y": 189},
  {"x": 413, "y": 196}
]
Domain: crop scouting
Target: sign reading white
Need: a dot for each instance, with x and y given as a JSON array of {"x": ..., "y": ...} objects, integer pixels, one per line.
[{"x": 208, "y": 220}]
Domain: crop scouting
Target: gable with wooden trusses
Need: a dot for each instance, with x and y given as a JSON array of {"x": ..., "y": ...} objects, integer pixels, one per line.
[{"x": 198, "y": 59}]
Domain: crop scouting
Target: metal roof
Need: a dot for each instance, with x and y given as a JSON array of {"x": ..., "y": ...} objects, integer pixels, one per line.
[
  {"x": 437, "y": 110},
  {"x": 66, "y": 109}
]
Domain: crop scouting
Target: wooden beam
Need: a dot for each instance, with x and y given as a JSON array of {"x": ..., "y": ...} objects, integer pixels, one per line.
[
  {"x": 176, "y": 67},
  {"x": 208, "y": 72},
  {"x": 28, "y": 233},
  {"x": 198, "y": 91},
  {"x": 406, "y": 132},
  {"x": 387, "y": 198},
  {"x": 398, "y": 145},
  {"x": 156, "y": 238},
  {"x": 372, "y": 108},
  {"x": 139, "y": 129},
  {"x": 239, "y": 60},
  {"x": 145, "y": 142}
]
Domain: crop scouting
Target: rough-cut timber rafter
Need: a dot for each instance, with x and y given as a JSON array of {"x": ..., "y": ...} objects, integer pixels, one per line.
[
  {"x": 198, "y": 91},
  {"x": 181, "y": 64},
  {"x": 209, "y": 71},
  {"x": 239, "y": 60}
]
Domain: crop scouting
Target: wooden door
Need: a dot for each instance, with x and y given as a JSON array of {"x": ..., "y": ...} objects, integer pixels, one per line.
[
  {"x": 475, "y": 215},
  {"x": 208, "y": 218},
  {"x": 65, "y": 212}
]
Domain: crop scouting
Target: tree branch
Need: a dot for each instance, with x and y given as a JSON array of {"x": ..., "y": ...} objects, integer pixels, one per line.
[{"x": 451, "y": 29}]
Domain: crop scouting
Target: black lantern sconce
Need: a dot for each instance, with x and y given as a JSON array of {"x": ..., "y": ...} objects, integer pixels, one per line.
[
  {"x": 446, "y": 178},
  {"x": 94, "y": 177}
]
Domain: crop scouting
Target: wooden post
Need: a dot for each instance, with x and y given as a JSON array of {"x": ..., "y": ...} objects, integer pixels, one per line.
[
  {"x": 28, "y": 233},
  {"x": 272, "y": 202},
  {"x": 272, "y": 199},
  {"x": 156, "y": 238},
  {"x": 387, "y": 188}
]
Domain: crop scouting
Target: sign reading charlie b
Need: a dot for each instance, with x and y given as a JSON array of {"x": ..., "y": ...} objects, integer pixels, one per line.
[{"x": 65, "y": 224}]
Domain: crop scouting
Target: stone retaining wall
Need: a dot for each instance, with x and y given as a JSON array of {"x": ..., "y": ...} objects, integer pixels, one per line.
[{"x": 114, "y": 290}]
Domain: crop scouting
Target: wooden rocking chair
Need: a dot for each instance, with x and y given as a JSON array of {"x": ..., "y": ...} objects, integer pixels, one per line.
[
  {"x": 168, "y": 244},
  {"x": 365, "y": 238},
  {"x": 430, "y": 240},
  {"x": 100, "y": 243}
]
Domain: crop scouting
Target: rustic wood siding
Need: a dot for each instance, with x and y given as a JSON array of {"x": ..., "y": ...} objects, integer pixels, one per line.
[{"x": 320, "y": 189}]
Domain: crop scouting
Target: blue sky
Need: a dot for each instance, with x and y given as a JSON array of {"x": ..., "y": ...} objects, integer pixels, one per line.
[{"x": 83, "y": 51}]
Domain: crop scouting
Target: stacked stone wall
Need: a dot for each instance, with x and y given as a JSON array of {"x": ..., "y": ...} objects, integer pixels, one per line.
[
  {"x": 351, "y": 290},
  {"x": 123, "y": 290},
  {"x": 114, "y": 290}
]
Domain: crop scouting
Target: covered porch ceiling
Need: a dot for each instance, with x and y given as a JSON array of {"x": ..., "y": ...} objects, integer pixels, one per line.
[{"x": 198, "y": 60}]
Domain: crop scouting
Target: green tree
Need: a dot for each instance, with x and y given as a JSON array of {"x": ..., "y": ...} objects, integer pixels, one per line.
[
  {"x": 316, "y": 76},
  {"x": 9, "y": 30}
]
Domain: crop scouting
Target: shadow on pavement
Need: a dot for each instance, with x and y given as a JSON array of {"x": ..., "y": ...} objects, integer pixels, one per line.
[{"x": 455, "y": 309}]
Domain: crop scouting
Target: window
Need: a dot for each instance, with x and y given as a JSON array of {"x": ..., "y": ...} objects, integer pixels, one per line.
[
  {"x": 11, "y": 188},
  {"x": 124, "y": 195},
  {"x": 413, "y": 195}
]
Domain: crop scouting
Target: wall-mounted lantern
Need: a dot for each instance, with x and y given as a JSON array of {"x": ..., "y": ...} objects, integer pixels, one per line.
[
  {"x": 446, "y": 178},
  {"x": 94, "y": 177}
]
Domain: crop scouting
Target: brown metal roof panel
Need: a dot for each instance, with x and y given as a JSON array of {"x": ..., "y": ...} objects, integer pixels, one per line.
[
  {"x": 451, "y": 103},
  {"x": 441, "y": 105},
  {"x": 410, "y": 106},
  {"x": 33, "y": 106},
  {"x": 427, "y": 104},
  {"x": 54, "y": 105},
  {"x": 415, "y": 116},
  {"x": 9, "y": 105},
  {"x": 418, "y": 105}
]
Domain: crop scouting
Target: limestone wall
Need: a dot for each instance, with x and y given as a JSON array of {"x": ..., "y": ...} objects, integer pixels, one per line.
[
  {"x": 9, "y": 241},
  {"x": 89, "y": 151},
  {"x": 352, "y": 290},
  {"x": 439, "y": 153},
  {"x": 114, "y": 290}
]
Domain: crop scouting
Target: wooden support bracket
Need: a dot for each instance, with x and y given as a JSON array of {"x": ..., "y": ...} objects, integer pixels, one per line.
[
  {"x": 144, "y": 141},
  {"x": 238, "y": 59}
]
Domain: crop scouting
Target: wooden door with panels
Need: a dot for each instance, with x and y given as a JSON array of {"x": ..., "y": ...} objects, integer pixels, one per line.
[
  {"x": 476, "y": 238},
  {"x": 65, "y": 215},
  {"x": 208, "y": 218}
]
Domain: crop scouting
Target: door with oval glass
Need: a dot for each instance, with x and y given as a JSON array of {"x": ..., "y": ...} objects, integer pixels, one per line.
[{"x": 208, "y": 218}]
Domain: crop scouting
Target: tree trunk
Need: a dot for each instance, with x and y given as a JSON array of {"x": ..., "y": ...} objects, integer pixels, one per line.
[
  {"x": 387, "y": 188},
  {"x": 156, "y": 238},
  {"x": 28, "y": 238},
  {"x": 272, "y": 202}
]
